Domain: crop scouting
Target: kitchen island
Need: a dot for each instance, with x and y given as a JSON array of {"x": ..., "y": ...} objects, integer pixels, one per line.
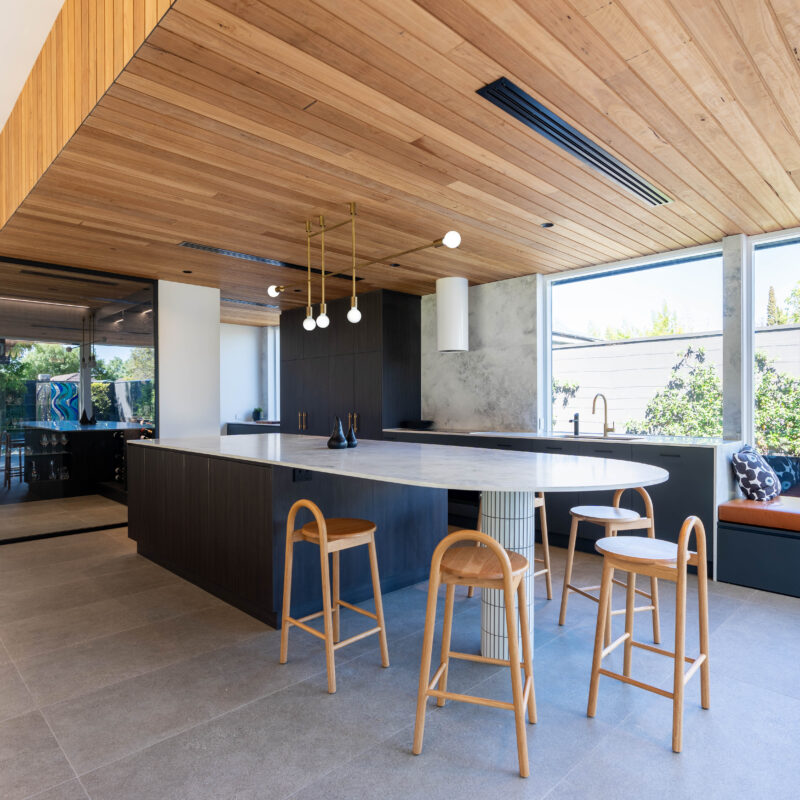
[{"x": 214, "y": 509}]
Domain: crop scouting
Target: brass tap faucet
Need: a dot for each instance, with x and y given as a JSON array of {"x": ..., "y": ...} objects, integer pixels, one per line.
[{"x": 606, "y": 427}]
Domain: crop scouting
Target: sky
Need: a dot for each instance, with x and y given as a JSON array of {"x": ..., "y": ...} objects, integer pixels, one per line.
[{"x": 693, "y": 290}]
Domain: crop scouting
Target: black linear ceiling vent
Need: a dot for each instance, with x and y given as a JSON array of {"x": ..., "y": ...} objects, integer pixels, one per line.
[
  {"x": 532, "y": 113},
  {"x": 259, "y": 259}
]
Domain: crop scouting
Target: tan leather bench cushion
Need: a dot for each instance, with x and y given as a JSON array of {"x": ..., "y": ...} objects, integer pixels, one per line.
[{"x": 783, "y": 512}]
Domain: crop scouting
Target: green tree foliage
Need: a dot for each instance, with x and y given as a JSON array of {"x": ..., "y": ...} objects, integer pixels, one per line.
[
  {"x": 691, "y": 404},
  {"x": 140, "y": 365},
  {"x": 793, "y": 305},
  {"x": 563, "y": 392},
  {"x": 662, "y": 323},
  {"x": 777, "y": 409},
  {"x": 49, "y": 359},
  {"x": 775, "y": 314},
  {"x": 101, "y": 400}
]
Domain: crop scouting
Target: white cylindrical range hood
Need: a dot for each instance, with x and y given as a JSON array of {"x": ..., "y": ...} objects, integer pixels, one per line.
[{"x": 452, "y": 314}]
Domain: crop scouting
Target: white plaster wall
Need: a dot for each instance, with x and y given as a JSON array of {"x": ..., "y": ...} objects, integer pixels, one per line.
[
  {"x": 493, "y": 386},
  {"x": 188, "y": 360},
  {"x": 240, "y": 367},
  {"x": 24, "y": 25}
]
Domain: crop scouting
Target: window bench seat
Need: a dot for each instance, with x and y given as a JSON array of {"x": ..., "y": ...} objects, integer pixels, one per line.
[{"x": 758, "y": 544}]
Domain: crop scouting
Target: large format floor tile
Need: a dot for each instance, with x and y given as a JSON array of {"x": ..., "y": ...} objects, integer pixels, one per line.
[{"x": 120, "y": 680}]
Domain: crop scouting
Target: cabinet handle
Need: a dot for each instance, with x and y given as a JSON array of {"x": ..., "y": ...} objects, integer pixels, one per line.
[
  {"x": 600, "y": 450},
  {"x": 670, "y": 455},
  {"x": 552, "y": 447},
  {"x": 355, "y": 422},
  {"x": 299, "y": 420},
  {"x": 350, "y": 418},
  {"x": 305, "y": 420},
  {"x": 503, "y": 446}
]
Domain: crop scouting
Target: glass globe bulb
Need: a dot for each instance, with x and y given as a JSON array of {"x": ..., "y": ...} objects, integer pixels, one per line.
[
  {"x": 451, "y": 239},
  {"x": 323, "y": 321},
  {"x": 354, "y": 315},
  {"x": 273, "y": 290},
  {"x": 309, "y": 324}
]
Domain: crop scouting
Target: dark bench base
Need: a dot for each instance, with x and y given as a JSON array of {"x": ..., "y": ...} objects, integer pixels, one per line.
[{"x": 762, "y": 558}]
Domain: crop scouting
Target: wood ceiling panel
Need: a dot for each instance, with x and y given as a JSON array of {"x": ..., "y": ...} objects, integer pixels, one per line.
[{"x": 237, "y": 120}]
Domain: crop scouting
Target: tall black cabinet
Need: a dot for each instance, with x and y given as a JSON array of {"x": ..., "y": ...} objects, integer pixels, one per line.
[{"x": 370, "y": 369}]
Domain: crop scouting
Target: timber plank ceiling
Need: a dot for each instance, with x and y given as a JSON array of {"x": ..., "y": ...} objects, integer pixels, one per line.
[{"x": 237, "y": 120}]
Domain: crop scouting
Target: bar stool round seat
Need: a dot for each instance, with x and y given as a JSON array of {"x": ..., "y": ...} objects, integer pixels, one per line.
[
  {"x": 603, "y": 514},
  {"x": 480, "y": 564},
  {"x": 338, "y": 528},
  {"x": 639, "y": 550}
]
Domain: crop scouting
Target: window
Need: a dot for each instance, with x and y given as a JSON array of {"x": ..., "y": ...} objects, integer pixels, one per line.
[
  {"x": 776, "y": 381},
  {"x": 647, "y": 337}
]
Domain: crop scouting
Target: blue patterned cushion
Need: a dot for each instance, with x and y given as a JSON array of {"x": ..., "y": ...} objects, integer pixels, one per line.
[
  {"x": 786, "y": 468},
  {"x": 756, "y": 478}
]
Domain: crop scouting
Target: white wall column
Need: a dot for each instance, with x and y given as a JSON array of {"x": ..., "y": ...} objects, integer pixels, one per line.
[
  {"x": 188, "y": 360},
  {"x": 737, "y": 338}
]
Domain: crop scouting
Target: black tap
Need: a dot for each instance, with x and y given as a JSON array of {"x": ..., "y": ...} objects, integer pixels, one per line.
[{"x": 575, "y": 424}]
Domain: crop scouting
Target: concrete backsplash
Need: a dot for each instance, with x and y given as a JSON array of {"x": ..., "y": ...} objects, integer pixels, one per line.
[{"x": 493, "y": 386}]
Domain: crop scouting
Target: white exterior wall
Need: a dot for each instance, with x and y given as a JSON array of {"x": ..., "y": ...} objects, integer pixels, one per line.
[
  {"x": 631, "y": 372},
  {"x": 188, "y": 360},
  {"x": 240, "y": 371}
]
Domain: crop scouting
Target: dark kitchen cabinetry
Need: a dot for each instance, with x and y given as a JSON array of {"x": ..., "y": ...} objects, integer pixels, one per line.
[{"x": 370, "y": 369}]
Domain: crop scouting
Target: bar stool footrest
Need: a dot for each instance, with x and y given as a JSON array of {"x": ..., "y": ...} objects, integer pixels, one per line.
[
  {"x": 356, "y": 609},
  {"x": 357, "y": 637}
]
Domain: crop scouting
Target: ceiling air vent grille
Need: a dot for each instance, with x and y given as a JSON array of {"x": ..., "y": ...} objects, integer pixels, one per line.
[
  {"x": 508, "y": 96},
  {"x": 259, "y": 259}
]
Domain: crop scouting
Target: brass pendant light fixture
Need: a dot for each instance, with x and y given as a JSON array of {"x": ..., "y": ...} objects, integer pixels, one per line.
[{"x": 451, "y": 240}]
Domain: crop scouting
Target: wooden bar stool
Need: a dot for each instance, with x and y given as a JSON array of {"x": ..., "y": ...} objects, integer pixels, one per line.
[
  {"x": 658, "y": 559},
  {"x": 538, "y": 503},
  {"x": 331, "y": 536},
  {"x": 613, "y": 519},
  {"x": 489, "y": 567}
]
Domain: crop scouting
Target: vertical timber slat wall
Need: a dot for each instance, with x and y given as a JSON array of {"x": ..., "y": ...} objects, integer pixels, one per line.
[{"x": 87, "y": 48}]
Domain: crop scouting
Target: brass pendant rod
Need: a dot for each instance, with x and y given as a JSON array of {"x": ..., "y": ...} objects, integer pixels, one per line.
[
  {"x": 308, "y": 264},
  {"x": 353, "y": 227},
  {"x": 322, "y": 258},
  {"x": 330, "y": 227}
]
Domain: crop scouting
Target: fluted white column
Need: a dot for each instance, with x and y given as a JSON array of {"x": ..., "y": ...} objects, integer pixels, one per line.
[{"x": 510, "y": 518}]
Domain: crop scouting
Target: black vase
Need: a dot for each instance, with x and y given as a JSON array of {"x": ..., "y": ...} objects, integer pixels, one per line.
[
  {"x": 351, "y": 437},
  {"x": 337, "y": 440},
  {"x": 84, "y": 418}
]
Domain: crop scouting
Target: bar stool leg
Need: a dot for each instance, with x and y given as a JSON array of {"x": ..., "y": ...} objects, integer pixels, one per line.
[
  {"x": 545, "y": 551},
  {"x": 573, "y": 533},
  {"x": 447, "y": 631},
  {"x": 630, "y": 597},
  {"x": 376, "y": 592},
  {"x": 336, "y": 609},
  {"x": 327, "y": 617},
  {"x": 527, "y": 652},
  {"x": 602, "y": 618},
  {"x": 609, "y": 532},
  {"x": 516, "y": 681},
  {"x": 654, "y": 598},
  {"x": 287, "y": 598},
  {"x": 425, "y": 664},
  {"x": 680, "y": 649},
  {"x": 702, "y": 602}
]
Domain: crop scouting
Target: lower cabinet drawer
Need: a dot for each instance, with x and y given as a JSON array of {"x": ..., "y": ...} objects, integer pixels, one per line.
[{"x": 761, "y": 558}]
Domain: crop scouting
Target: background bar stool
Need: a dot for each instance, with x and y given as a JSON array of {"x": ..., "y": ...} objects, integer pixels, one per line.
[
  {"x": 538, "y": 503},
  {"x": 332, "y": 536},
  {"x": 489, "y": 567},
  {"x": 658, "y": 559},
  {"x": 613, "y": 519}
]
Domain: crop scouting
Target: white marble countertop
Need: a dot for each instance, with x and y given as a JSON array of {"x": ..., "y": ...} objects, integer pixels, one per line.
[
  {"x": 681, "y": 441},
  {"x": 434, "y": 466}
]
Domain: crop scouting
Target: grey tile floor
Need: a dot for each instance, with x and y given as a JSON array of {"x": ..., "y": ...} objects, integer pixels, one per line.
[{"x": 119, "y": 681}]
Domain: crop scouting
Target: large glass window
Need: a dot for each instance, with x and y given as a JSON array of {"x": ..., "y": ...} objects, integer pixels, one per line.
[
  {"x": 776, "y": 382},
  {"x": 649, "y": 339}
]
